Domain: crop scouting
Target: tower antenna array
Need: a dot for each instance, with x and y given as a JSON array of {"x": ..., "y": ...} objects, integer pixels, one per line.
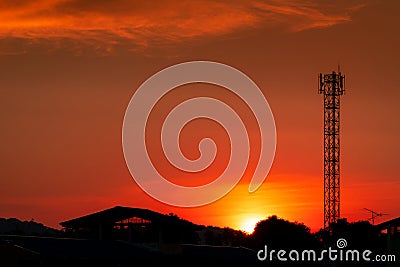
[{"x": 332, "y": 87}]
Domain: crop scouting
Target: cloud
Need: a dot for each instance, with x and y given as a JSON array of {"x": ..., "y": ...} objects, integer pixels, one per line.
[
  {"x": 144, "y": 23},
  {"x": 303, "y": 17}
]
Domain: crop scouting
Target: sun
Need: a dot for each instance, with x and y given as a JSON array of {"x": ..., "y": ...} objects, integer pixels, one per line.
[{"x": 249, "y": 224}]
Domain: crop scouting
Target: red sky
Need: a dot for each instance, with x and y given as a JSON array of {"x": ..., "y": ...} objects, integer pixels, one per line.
[{"x": 69, "y": 68}]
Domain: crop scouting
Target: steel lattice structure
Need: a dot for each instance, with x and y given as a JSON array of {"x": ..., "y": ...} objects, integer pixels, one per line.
[{"x": 332, "y": 87}]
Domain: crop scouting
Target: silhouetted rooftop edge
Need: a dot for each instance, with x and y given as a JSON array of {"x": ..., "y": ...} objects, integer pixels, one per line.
[
  {"x": 119, "y": 213},
  {"x": 393, "y": 222}
]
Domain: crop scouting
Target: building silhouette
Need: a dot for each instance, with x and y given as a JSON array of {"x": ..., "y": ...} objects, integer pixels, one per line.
[{"x": 121, "y": 236}]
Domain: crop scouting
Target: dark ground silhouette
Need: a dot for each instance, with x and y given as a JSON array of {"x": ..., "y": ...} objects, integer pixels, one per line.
[{"x": 37, "y": 245}]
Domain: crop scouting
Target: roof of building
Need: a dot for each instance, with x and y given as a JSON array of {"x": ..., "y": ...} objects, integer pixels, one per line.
[
  {"x": 72, "y": 249},
  {"x": 119, "y": 213},
  {"x": 221, "y": 254},
  {"x": 385, "y": 225},
  {"x": 85, "y": 252}
]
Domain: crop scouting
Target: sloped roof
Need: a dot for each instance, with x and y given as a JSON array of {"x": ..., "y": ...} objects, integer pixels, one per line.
[
  {"x": 385, "y": 225},
  {"x": 219, "y": 254},
  {"x": 119, "y": 213},
  {"x": 70, "y": 249}
]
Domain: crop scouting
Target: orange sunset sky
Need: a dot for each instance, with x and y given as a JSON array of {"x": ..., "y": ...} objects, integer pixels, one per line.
[{"x": 69, "y": 68}]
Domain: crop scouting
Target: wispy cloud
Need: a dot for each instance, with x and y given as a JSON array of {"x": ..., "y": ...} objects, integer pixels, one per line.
[
  {"x": 145, "y": 23},
  {"x": 304, "y": 16}
]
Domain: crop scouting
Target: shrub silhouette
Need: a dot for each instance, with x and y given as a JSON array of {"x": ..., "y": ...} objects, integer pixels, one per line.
[{"x": 279, "y": 233}]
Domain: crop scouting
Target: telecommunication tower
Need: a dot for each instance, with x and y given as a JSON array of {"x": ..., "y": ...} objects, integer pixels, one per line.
[{"x": 332, "y": 87}]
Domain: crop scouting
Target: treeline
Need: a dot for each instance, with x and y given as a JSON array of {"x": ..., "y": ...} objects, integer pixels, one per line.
[
  {"x": 280, "y": 234},
  {"x": 13, "y": 226}
]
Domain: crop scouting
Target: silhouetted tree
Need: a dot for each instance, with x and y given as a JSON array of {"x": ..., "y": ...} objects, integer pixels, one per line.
[
  {"x": 213, "y": 236},
  {"x": 360, "y": 234},
  {"x": 279, "y": 233},
  {"x": 231, "y": 237}
]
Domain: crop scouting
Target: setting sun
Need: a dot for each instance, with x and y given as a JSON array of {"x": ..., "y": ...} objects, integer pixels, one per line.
[
  {"x": 249, "y": 224},
  {"x": 71, "y": 72}
]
